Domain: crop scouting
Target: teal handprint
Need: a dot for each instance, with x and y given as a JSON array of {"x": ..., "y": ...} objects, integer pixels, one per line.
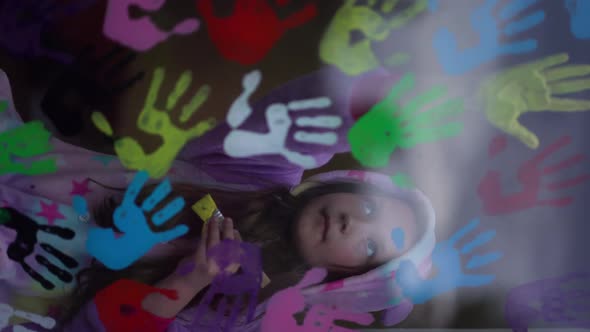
[
  {"x": 137, "y": 239},
  {"x": 447, "y": 261},
  {"x": 26, "y": 141},
  {"x": 387, "y": 125}
]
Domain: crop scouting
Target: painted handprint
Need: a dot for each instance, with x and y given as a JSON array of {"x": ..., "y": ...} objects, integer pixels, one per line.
[
  {"x": 456, "y": 61},
  {"x": 140, "y": 34},
  {"x": 158, "y": 122},
  {"x": 7, "y": 312},
  {"x": 534, "y": 87},
  {"x": 243, "y": 285},
  {"x": 26, "y": 141},
  {"x": 562, "y": 302},
  {"x": 24, "y": 245},
  {"x": 530, "y": 175},
  {"x": 137, "y": 238},
  {"x": 241, "y": 143},
  {"x": 252, "y": 29},
  {"x": 320, "y": 318},
  {"x": 579, "y": 11},
  {"x": 90, "y": 83},
  {"x": 450, "y": 273},
  {"x": 357, "y": 57},
  {"x": 119, "y": 307},
  {"x": 388, "y": 125},
  {"x": 23, "y": 37}
]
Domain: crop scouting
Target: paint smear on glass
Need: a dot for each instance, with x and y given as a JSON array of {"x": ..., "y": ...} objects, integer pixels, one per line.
[{"x": 398, "y": 237}]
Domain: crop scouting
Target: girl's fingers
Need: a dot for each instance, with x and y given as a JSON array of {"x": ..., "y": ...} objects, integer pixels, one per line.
[
  {"x": 228, "y": 229},
  {"x": 213, "y": 234},
  {"x": 202, "y": 248},
  {"x": 237, "y": 236}
]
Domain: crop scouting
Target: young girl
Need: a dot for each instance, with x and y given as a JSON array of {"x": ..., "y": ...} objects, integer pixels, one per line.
[{"x": 342, "y": 221}]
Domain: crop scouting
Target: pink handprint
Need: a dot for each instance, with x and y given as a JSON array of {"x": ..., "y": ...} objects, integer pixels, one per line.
[
  {"x": 530, "y": 175},
  {"x": 140, "y": 34},
  {"x": 319, "y": 318}
]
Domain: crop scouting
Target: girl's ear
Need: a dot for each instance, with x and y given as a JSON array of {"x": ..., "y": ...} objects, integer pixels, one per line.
[{"x": 312, "y": 277}]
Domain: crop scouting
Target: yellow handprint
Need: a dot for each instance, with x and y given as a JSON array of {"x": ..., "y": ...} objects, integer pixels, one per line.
[
  {"x": 532, "y": 87},
  {"x": 157, "y": 122},
  {"x": 357, "y": 58}
]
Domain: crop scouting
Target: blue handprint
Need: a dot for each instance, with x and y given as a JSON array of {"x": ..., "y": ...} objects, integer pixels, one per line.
[
  {"x": 579, "y": 17},
  {"x": 447, "y": 261},
  {"x": 137, "y": 239},
  {"x": 457, "y": 62}
]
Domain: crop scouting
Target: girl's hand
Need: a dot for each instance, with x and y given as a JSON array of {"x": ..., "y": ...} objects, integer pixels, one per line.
[{"x": 206, "y": 269}]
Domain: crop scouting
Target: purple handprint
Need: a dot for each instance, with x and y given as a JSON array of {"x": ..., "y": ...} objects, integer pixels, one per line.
[
  {"x": 562, "y": 301},
  {"x": 140, "y": 34},
  {"x": 319, "y": 318},
  {"x": 24, "y": 22},
  {"x": 227, "y": 255}
]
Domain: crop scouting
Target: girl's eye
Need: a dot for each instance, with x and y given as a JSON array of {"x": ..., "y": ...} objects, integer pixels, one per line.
[
  {"x": 368, "y": 207},
  {"x": 371, "y": 248}
]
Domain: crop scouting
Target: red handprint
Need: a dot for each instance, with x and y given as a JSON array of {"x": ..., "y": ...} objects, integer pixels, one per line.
[
  {"x": 320, "y": 318},
  {"x": 119, "y": 307},
  {"x": 252, "y": 29},
  {"x": 530, "y": 174}
]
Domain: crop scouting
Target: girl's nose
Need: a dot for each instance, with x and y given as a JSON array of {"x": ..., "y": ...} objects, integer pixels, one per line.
[{"x": 344, "y": 221}]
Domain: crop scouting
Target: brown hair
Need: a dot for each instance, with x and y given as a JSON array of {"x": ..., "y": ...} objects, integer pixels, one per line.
[{"x": 265, "y": 218}]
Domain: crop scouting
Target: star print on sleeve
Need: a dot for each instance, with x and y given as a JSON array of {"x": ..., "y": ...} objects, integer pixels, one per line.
[
  {"x": 51, "y": 212},
  {"x": 80, "y": 188}
]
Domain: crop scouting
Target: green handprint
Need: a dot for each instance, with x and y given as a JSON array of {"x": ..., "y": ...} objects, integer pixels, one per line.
[
  {"x": 357, "y": 58},
  {"x": 28, "y": 140},
  {"x": 157, "y": 122},
  {"x": 531, "y": 88},
  {"x": 374, "y": 137},
  {"x": 3, "y": 105}
]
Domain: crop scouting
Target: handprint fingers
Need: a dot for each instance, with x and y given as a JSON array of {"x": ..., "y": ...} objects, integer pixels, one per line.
[
  {"x": 37, "y": 276},
  {"x": 322, "y": 121},
  {"x": 240, "y": 109},
  {"x": 549, "y": 150},
  {"x": 525, "y": 23},
  {"x": 567, "y": 71},
  {"x": 476, "y": 280},
  {"x": 568, "y": 105},
  {"x": 480, "y": 239},
  {"x": 404, "y": 85},
  {"x": 161, "y": 191},
  {"x": 63, "y": 275},
  {"x": 316, "y": 138},
  {"x": 63, "y": 258},
  {"x": 180, "y": 89},
  {"x": 170, "y": 210},
  {"x": 427, "y": 134},
  {"x": 309, "y": 104},
  {"x": 570, "y": 86},
  {"x": 196, "y": 102},
  {"x": 134, "y": 188},
  {"x": 420, "y": 101},
  {"x": 448, "y": 108},
  {"x": 176, "y": 232},
  {"x": 154, "y": 90},
  {"x": 101, "y": 123},
  {"x": 417, "y": 7},
  {"x": 463, "y": 232},
  {"x": 481, "y": 260}
]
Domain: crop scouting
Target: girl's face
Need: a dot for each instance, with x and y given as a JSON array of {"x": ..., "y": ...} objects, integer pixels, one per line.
[{"x": 345, "y": 232}]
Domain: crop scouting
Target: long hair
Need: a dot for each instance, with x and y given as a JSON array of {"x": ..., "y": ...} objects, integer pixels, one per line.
[{"x": 265, "y": 218}]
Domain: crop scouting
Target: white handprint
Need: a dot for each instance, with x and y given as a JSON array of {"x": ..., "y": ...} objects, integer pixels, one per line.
[
  {"x": 242, "y": 143},
  {"x": 6, "y": 312}
]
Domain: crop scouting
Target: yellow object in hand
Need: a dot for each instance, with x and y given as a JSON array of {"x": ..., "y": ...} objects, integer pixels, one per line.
[{"x": 205, "y": 208}]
